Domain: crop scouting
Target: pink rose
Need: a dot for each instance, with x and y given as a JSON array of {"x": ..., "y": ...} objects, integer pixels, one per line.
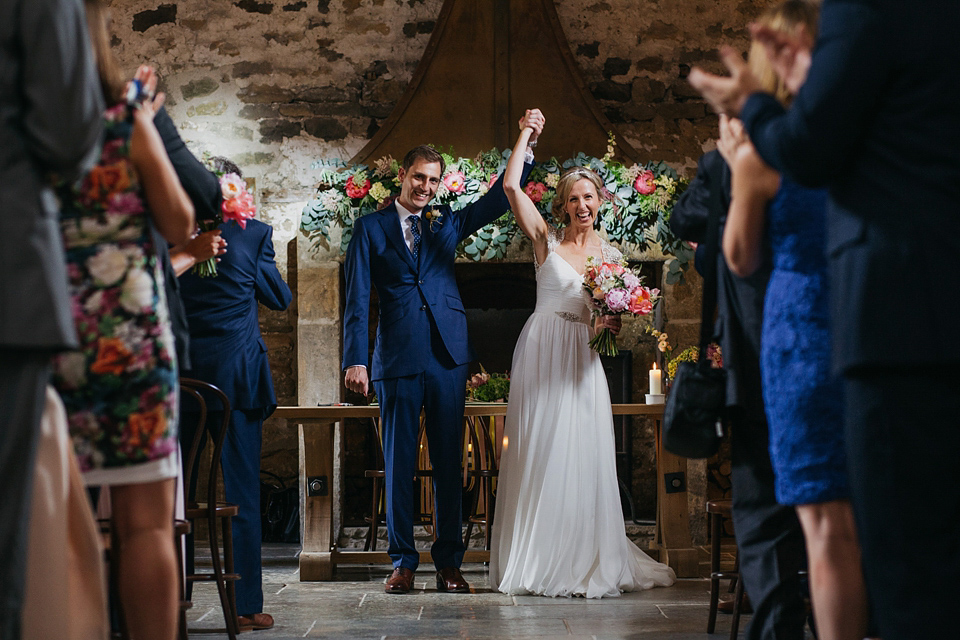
[
  {"x": 126, "y": 203},
  {"x": 455, "y": 181},
  {"x": 617, "y": 300},
  {"x": 535, "y": 190},
  {"x": 644, "y": 183}
]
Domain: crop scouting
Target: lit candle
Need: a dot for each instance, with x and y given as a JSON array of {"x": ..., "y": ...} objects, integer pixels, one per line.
[{"x": 655, "y": 380}]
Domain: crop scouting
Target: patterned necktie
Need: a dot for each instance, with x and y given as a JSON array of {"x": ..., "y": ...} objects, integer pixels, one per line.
[{"x": 415, "y": 228}]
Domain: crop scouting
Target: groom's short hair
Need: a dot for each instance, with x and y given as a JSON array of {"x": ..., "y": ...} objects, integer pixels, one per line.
[{"x": 426, "y": 153}]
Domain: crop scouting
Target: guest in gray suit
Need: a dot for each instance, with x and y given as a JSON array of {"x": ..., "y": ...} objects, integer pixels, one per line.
[{"x": 50, "y": 123}]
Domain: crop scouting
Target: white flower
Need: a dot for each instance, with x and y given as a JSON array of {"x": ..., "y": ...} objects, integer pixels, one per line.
[
  {"x": 232, "y": 185},
  {"x": 130, "y": 333},
  {"x": 93, "y": 303},
  {"x": 330, "y": 200},
  {"x": 107, "y": 266},
  {"x": 137, "y": 292},
  {"x": 91, "y": 230},
  {"x": 72, "y": 367}
]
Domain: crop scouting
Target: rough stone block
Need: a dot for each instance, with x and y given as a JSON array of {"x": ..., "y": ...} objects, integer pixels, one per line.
[
  {"x": 648, "y": 90},
  {"x": 295, "y": 6},
  {"x": 259, "y": 111},
  {"x": 164, "y": 14},
  {"x": 589, "y": 50},
  {"x": 319, "y": 292},
  {"x": 685, "y": 110},
  {"x": 199, "y": 88},
  {"x": 252, "y": 6},
  {"x": 610, "y": 90},
  {"x": 615, "y": 67},
  {"x": 265, "y": 93},
  {"x": 208, "y": 109},
  {"x": 325, "y": 128},
  {"x": 246, "y": 69}
]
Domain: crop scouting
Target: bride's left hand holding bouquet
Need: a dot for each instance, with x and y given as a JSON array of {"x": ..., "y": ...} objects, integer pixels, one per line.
[
  {"x": 612, "y": 289},
  {"x": 237, "y": 206}
]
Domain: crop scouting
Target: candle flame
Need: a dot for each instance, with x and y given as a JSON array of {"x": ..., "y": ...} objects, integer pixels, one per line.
[
  {"x": 654, "y": 366},
  {"x": 506, "y": 441}
]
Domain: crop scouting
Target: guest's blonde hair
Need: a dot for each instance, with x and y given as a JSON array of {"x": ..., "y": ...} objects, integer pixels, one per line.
[
  {"x": 786, "y": 17},
  {"x": 111, "y": 79},
  {"x": 565, "y": 184}
]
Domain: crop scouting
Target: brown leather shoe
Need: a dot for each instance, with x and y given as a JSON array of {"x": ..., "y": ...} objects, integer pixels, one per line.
[
  {"x": 451, "y": 580},
  {"x": 400, "y": 581},
  {"x": 255, "y": 622}
]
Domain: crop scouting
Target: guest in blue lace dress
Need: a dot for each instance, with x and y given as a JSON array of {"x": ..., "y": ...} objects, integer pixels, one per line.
[
  {"x": 803, "y": 401},
  {"x": 120, "y": 386}
]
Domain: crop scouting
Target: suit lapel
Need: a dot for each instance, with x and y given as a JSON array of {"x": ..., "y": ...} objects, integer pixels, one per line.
[{"x": 390, "y": 222}]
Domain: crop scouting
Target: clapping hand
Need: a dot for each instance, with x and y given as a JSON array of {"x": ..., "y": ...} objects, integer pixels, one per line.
[
  {"x": 142, "y": 92},
  {"x": 789, "y": 54},
  {"x": 732, "y": 137},
  {"x": 726, "y": 94}
]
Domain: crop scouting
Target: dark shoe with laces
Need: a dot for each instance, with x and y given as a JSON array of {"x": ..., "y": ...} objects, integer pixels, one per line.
[
  {"x": 400, "y": 581},
  {"x": 450, "y": 580}
]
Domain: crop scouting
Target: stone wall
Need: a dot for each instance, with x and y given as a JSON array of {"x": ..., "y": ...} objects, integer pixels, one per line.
[{"x": 277, "y": 85}]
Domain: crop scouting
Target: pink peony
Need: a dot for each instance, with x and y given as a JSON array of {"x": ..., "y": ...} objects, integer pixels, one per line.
[
  {"x": 455, "y": 181},
  {"x": 535, "y": 190},
  {"x": 630, "y": 281},
  {"x": 239, "y": 209},
  {"x": 644, "y": 183},
  {"x": 357, "y": 191},
  {"x": 617, "y": 300}
]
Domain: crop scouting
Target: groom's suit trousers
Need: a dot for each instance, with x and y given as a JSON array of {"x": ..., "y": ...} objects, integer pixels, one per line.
[{"x": 440, "y": 389}]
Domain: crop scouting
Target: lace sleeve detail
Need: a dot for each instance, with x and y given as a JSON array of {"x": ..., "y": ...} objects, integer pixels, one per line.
[
  {"x": 554, "y": 236},
  {"x": 611, "y": 253}
]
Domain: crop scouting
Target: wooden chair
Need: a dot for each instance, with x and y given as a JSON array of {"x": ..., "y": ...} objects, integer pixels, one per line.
[
  {"x": 482, "y": 469},
  {"x": 216, "y": 514},
  {"x": 378, "y": 514},
  {"x": 717, "y": 511}
]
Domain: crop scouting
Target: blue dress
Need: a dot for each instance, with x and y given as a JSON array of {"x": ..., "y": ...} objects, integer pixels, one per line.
[{"x": 803, "y": 401}]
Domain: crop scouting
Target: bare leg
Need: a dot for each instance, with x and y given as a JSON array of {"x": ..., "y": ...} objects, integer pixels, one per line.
[
  {"x": 143, "y": 517},
  {"x": 836, "y": 577}
]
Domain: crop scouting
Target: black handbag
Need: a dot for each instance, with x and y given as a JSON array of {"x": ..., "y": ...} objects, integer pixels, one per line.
[{"x": 696, "y": 405}]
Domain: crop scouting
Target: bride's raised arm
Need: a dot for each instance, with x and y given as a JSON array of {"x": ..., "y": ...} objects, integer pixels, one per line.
[{"x": 526, "y": 213}]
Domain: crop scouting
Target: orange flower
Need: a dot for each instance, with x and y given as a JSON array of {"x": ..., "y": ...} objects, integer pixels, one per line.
[
  {"x": 112, "y": 357},
  {"x": 147, "y": 428},
  {"x": 106, "y": 180}
]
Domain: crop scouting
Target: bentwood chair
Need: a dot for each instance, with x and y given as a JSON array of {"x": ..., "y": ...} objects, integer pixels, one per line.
[
  {"x": 483, "y": 471},
  {"x": 216, "y": 514}
]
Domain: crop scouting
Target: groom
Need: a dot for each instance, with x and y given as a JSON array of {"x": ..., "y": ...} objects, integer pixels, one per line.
[{"x": 421, "y": 353}]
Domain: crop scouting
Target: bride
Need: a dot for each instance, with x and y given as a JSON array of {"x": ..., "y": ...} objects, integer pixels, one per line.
[{"x": 559, "y": 529}]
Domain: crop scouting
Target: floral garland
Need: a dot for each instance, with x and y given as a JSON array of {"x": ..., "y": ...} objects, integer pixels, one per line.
[{"x": 643, "y": 198}]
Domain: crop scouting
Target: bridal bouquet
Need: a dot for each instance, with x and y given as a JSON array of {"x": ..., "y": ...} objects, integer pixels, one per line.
[
  {"x": 612, "y": 289},
  {"x": 237, "y": 206}
]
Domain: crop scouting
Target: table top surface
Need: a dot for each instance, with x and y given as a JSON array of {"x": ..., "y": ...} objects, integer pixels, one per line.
[{"x": 337, "y": 412}]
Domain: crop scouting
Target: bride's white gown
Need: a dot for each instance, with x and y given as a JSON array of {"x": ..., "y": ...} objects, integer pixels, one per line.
[{"x": 559, "y": 528}]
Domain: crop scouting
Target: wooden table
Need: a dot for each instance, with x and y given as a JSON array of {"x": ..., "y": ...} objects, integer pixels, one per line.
[{"x": 319, "y": 555}]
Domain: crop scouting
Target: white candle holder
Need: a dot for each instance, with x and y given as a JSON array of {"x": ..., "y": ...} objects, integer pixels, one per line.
[{"x": 655, "y": 398}]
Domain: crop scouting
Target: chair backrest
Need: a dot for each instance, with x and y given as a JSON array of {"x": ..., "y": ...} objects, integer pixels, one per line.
[{"x": 196, "y": 389}]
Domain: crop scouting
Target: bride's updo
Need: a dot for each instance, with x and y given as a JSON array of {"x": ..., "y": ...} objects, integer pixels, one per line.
[{"x": 570, "y": 177}]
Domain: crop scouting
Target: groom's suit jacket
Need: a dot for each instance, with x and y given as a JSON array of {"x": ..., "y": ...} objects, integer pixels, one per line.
[
  {"x": 877, "y": 123},
  {"x": 412, "y": 296}
]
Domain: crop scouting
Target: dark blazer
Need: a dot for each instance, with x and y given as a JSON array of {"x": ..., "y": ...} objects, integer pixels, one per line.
[
  {"x": 878, "y": 123},
  {"x": 413, "y": 297},
  {"x": 226, "y": 348},
  {"x": 51, "y": 119},
  {"x": 204, "y": 190},
  {"x": 739, "y": 300}
]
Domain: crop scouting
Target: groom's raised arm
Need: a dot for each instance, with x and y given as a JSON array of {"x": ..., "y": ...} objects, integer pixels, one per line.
[
  {"x": 489, "y": 207},
  {"x": 356, "y": 315}
]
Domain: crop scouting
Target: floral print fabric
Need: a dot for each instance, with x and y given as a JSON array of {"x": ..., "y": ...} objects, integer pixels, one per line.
[{"x": 120, "y": 386}]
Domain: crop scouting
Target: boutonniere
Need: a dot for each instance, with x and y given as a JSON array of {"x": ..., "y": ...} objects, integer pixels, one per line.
[{"x": 435, "y": 218}]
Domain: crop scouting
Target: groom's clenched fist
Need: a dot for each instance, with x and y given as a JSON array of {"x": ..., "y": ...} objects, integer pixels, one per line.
[{"x": 356, "y": 379}]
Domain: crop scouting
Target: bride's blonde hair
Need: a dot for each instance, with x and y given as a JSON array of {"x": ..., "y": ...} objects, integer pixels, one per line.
[{"x": 569, "y": 178}]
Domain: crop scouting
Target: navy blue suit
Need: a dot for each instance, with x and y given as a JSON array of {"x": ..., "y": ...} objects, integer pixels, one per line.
[
  {"x": 878, "y": 123},
  {"x": 420, "y": 358},
  {"x": 226, "y": 350}
]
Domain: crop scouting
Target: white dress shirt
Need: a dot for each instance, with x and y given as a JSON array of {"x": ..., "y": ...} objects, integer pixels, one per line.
[{"x": 405, "y": 213}]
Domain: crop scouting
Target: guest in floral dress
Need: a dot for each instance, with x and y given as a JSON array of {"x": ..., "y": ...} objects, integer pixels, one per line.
[{"x": 120, "y": 387}]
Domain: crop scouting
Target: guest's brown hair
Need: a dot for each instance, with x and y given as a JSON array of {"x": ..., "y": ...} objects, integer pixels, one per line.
[
  {"x": 426, "y": 153},
  {"x": 785, "y": 17},
  {"x": 111, "y": 80}
]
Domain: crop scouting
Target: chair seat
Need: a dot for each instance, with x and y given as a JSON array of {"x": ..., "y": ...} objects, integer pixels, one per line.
[{"x": 223, "y": 510}]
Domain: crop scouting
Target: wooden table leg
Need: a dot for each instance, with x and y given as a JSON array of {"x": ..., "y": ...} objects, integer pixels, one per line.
[
  {"x": 672, "y": 537},
  {"x": 316, "y": 501}
]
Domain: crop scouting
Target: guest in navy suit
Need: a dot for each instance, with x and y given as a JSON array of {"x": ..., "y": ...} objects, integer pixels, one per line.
[
  {"x": 878, "y": 124},
  {"x": 227, "y": 350},
  {"x": 421, "y": 353}
]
